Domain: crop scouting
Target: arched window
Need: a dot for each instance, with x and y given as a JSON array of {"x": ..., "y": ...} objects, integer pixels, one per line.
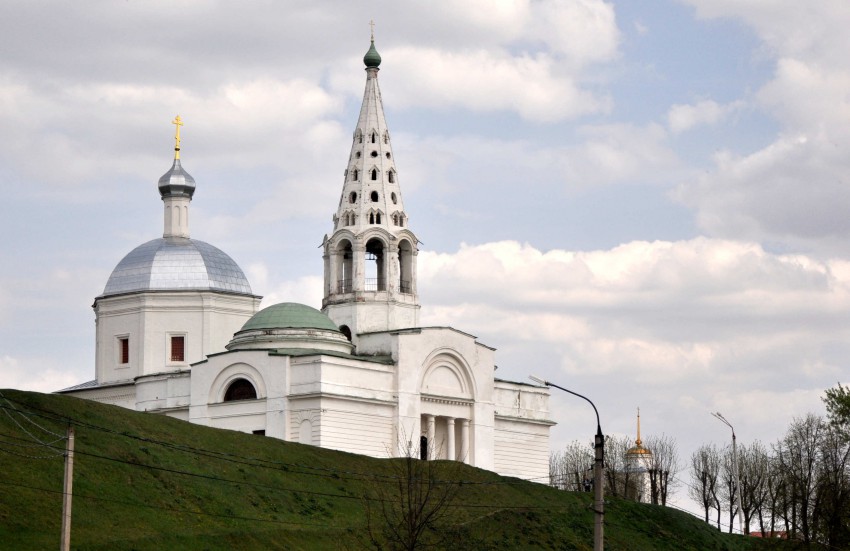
[
  {"x": 354, "y": 175},
  {"x": 358, "y": 136},
  {"x": 374, "y": 173},
  {"x": 352, "y": 197},
  {"x": 394, "y": 198},
  {"x": 374, "y": 196},
  {"x": 371, "y": 217},
  {"x": 240, "y": 389},
  {"x": 387, "y": 140},
  {"x": 378, "y": 218},
  {"x": 374, "y": 137},
  {"x": 391, "y": 176},
  {"x": 344, "y": 329}
]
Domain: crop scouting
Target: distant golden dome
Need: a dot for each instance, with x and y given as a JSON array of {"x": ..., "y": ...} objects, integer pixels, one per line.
[{"x": 638, "y": 450}]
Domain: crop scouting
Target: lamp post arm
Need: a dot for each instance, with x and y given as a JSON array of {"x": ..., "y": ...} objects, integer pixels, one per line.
[{"x": 598, "y": 424}]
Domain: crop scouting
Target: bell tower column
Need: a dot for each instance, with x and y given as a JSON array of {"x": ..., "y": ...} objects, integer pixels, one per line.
[{"x": 372, "y": 251}]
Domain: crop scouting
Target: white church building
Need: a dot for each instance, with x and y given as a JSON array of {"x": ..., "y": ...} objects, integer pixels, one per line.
[{"x": 179, "y": 332}]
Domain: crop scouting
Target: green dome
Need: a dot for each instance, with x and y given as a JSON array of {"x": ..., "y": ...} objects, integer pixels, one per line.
[
  {"x": 372, "y": 57},
  {"x": 289, "y": 315}
]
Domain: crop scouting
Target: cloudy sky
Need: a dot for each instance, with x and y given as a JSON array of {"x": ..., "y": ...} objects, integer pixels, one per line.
[{"x": 646, "y": 202}]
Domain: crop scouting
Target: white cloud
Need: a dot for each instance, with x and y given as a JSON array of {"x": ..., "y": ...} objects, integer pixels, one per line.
[
  {"x": 792, "y": 192},
  {"x": 305, "y": 290},
  {"x": 685, "y": 117},
  {"x": 36, "y": 374},
  {"x": 489, "y": 80},
  {"x": 243, "y": 123},
  {"x": 621, "y": 154},
  {"x": 678, "y": 328},
  {"x": 585, "y": 31}
]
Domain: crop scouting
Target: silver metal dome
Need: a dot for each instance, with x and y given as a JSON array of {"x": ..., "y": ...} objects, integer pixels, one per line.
[{"x": 176, "y": 264}]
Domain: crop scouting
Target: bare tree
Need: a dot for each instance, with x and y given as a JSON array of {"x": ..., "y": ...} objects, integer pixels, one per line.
[
  {"x": 408, "y": 509},
  {"x": 705, "y": 473},
  {"x": 833, "y": 489},
  {"x": 619, "y": 479},
  {"x": 662, "y": 467},
  {"x": 797, "y": 456},
  {"x": 571, "y": 468},
  {"x": 753, "y": 462},
  {"x": 728, "y": 484}
]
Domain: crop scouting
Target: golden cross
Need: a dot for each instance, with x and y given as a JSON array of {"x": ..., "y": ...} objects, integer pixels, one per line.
[
  {"x": 372, "y": 26},
  {"x": 177, "y": 122}
]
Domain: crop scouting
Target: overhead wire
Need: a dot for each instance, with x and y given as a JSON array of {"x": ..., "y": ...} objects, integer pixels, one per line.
[{"x": 263, "y": 463}]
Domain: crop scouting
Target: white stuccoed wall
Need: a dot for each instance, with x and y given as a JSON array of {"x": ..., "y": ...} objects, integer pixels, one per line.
[{"x": 208, "y": 319}]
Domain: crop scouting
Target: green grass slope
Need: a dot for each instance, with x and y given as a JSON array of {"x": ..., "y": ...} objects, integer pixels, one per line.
[{"x": 144, "y": 481}]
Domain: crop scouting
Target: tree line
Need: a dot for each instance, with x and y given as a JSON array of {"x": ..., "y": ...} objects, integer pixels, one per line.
[
  {"x": 798, "y": 485},
  {"x": 572, "y": 469}
]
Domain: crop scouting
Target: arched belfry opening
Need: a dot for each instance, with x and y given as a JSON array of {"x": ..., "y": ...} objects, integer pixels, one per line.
[{"x": 376, "y": 266}]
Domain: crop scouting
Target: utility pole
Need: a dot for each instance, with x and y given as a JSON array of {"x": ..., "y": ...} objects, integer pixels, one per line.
[
  {"x": 68, "y": 491},
  {"x": 598, "y": 465}
]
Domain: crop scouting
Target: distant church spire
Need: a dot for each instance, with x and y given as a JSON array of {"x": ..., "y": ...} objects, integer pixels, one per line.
[
  {"x": 638, "y": 442},
  {"x": 370, "y": 259},
  {"x": 638, "y": 451},
  {"x": 176, "y": 188}
]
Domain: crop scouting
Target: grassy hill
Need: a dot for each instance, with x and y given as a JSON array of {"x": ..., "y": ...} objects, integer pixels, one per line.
[{"x": 144, "y": 481}]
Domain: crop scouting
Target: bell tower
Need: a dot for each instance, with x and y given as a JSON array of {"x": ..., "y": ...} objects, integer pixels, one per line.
[{"x": 370, "y": 258}]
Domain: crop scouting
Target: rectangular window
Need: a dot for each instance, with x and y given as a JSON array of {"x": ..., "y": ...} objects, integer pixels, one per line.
[
  {"x": 124, "y": 350},
  {"x": 178, "y": 350}
]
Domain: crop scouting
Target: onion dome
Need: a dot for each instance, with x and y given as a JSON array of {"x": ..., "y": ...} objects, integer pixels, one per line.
[
  {"x": 290, "y": 325},
  {"x": 372, "y": 59},
  {"x": 176, "y": 264},
  {"x": 176, "y": 182}
]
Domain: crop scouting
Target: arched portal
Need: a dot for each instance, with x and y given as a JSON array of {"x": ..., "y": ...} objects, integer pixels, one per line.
[{"x": 447, "y": 392}]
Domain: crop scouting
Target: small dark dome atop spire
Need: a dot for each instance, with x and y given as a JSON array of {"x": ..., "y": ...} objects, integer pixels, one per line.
[
  {"x": 372, "y": 59},
  {"x": 176, "y": 182}
]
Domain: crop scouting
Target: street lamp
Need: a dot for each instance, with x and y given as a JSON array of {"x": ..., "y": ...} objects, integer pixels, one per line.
[
  {"x": 735, "y": 465},
  {"x": 599, "y": 449}
]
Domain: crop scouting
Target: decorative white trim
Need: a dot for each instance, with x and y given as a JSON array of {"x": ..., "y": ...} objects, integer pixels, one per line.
[{"x": 232, "y": 372}]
